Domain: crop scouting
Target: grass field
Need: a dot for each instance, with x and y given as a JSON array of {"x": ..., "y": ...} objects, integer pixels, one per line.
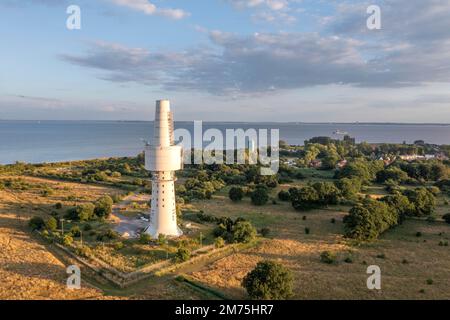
[
  {"x": 412, "y": 267},
  {"x": 407, "y": 262}
]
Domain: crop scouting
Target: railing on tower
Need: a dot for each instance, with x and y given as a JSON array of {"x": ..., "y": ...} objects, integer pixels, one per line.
[{"x": 171, "y": 128}]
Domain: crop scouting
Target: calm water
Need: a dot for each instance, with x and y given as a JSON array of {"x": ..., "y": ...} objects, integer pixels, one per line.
[{"x": 50, "y": 141}]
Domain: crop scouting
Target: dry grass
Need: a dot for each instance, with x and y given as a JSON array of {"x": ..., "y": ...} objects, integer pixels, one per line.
[
  {"x": 425, "y": 259},
  {"x": 27, "y": 269}
]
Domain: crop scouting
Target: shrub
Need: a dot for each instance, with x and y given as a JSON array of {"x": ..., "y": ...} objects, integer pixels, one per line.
[
  {"x": 269, "y": 280},
  {"x": 236, "y": 194},
  {"x": 87, "y": 227},
  {"x": 75, "y": 231},
  {"x": 67, "y": 240},
  {"x": 446, "y": 218},
  {"x": 348, "y": 260},
  {"x": 327, "y": 257},
  {"x": 182, "y": 254},
  {"x": 83, "y": 251},
  {"x": 265, "y": 232},
  {"x": 83, "y": 212},
  {"x": 58, "y": 205},
  {"x": 260, "y": 196},
  {"x": 219, "y": 243},
  {"x": 145, "y": 238},
  {"x": 51, "y": 224},
  {"x": 118, "y": 245},
  {"x": 284, "y": 195},
  {"x": 162, "y": 239},
  {"x": 244, "y": 232},
  {"x": 107, "y": 235},
  {"x": 307, "y": 230},
  {"x": 36, "y": 223}
]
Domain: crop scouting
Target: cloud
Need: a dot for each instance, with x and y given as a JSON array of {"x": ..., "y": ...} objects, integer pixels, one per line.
[
  {"x": 267, "y": 10},
  {"x": 149, "y": 8},
  {"x": 264, "y": 63}
]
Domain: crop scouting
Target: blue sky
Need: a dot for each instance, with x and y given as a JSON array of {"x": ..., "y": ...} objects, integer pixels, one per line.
[{"x": 226, "y": 60}]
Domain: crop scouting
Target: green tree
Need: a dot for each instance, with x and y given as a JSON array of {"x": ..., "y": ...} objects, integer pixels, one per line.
[
  {"x": 367, "y": 220},
  {"x": 423, "y": 200},
  {"x": 243, "y": 232},
  {"x": 36, "y": 223},
  {"x": 327, "y": 193},
  {"x": 236, "y": 194},
  {"x": 304, "y": 199},
  {"x": 51, "y": 224},
  {"x": 260, "y": 196},
  {"x": 395, "y": 174},
  {"x": 103, "y": 207},
  {"x": 269, "y": 281},
  {"x": 349, "y": 187}
]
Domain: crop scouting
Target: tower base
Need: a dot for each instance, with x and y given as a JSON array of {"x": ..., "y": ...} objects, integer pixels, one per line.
[{"x": 154, "y": 233}]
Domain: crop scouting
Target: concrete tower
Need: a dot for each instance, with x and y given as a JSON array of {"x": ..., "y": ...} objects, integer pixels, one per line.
[{"x": 163, "y": 158}]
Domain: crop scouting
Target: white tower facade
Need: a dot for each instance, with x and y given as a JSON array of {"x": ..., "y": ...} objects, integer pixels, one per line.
[{"x": 163, "y": 158}]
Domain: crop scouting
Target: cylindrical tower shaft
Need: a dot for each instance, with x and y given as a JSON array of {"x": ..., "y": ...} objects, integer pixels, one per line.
[{"x": 162, "y": 158}]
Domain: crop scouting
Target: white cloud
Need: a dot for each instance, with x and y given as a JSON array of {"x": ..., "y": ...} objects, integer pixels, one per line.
[
  {"x": 267, "y": 10},
  {"x": 150, "y": 9}
]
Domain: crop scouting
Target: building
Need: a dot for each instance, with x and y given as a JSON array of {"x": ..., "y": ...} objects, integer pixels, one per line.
[{"x": 163, "y": 158}]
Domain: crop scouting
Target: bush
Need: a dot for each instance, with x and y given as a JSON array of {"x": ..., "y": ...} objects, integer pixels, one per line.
[
  {"x": 87, "y": 227},
  {"x": 83, "y": 251},
  {"x": 75, "y": 231},
  {"x": 327, "y": 257},
  {"x": 446, "y": 218},
  {"x": 219, "y": 243},
  {"x": 265, "y": 232},
  {"x": 236, "y": 194},
  {"x": 103, "y": 207},
  {"x": 260, "y": 196},
  {"x": 67, "y": 240},
  {"x": 108, "y": 235},
  {"x": 58, "y": 205},
  {"x": 83, "y": 212},
  {"x": 51, "y": 224},
  {"x": 162, "y": 239},
  {"x": 307, "y": 230},
  {"x": 269, "y": 280},
  {"x": 284, "y": 195},
  {"x": 182, "y": 254},
  {"x": 36, "y": 223},
  {"x": 118, "y": 245},
  {"x": 244, "y": 232},
  {"x": 145, "y": 238}
]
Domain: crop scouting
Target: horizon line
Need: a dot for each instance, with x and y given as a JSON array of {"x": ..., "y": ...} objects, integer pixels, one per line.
[{"x": 224, "y": 121}]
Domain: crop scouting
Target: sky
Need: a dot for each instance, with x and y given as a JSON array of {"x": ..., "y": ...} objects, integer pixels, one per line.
[{"x": 226, "y": 60}]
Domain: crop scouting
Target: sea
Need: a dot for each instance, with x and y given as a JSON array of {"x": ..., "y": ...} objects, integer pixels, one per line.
[{"x": 55, "y": 141}]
